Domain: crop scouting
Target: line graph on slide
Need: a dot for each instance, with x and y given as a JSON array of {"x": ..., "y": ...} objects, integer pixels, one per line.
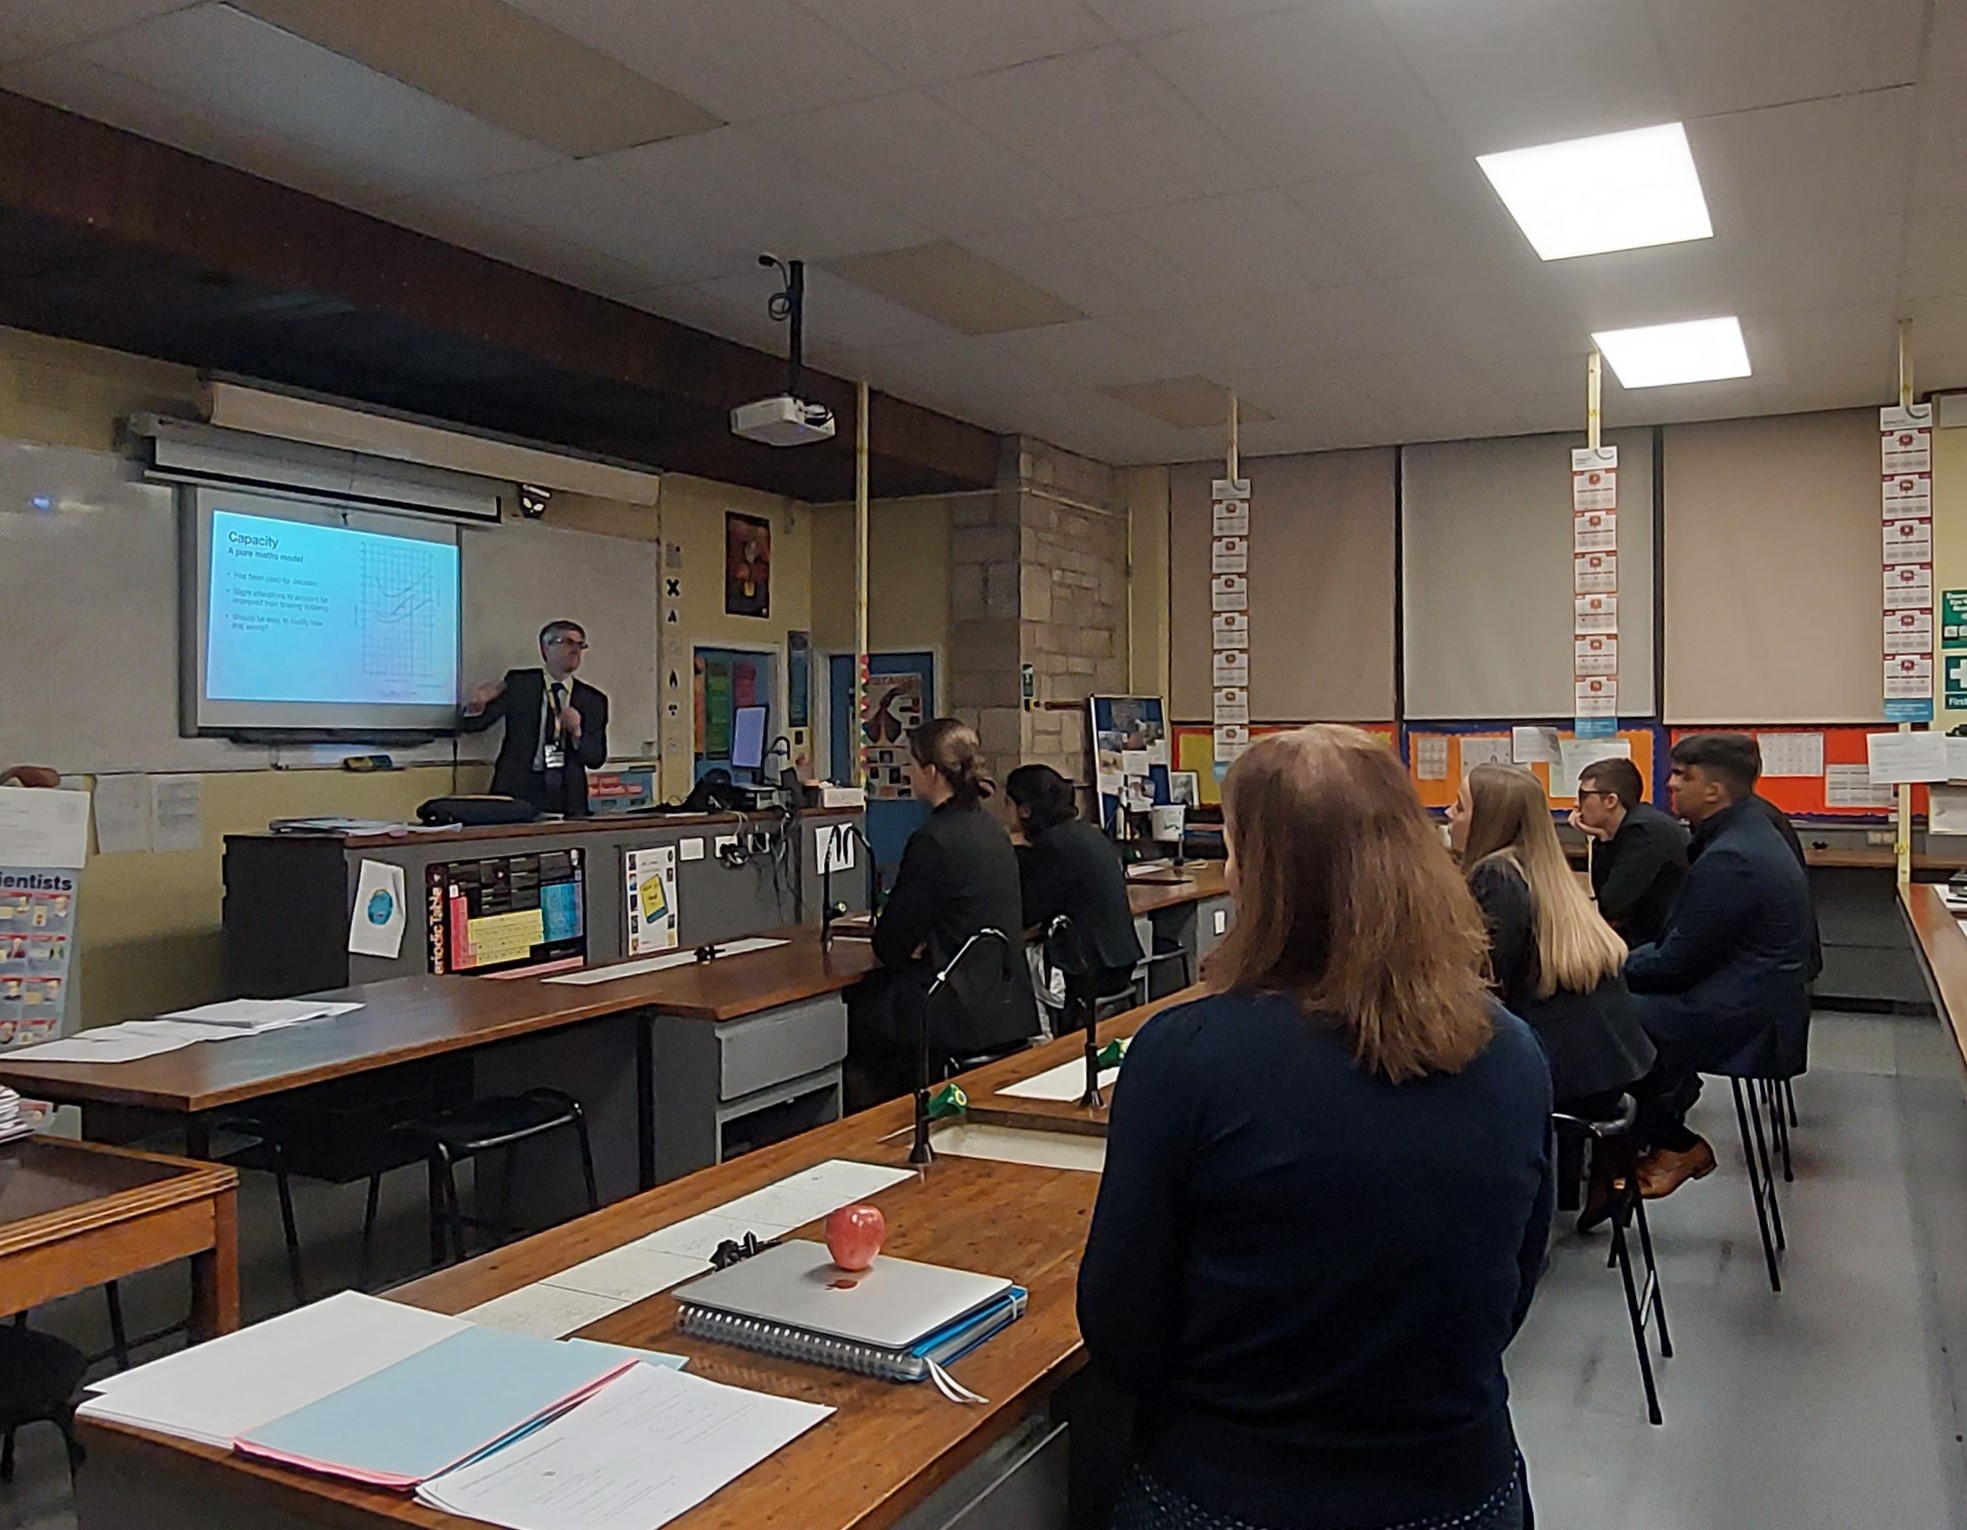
[{"x": 399, "y": 620}]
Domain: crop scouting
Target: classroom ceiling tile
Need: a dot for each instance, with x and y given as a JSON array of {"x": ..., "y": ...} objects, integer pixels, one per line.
[
  {"x": 741, "y": 59},
  {"x": 552, "y": 254},
  {"x": 1733, "y": 56},
  {"x": 1222, "y": 338},
  {"x": 269, "y": 80},
  {"x": 1418, "y": 219},
  {"x": 1250, "y": 243},
  {"x": 1488, "y": 310},
  {"x": 1946, "y": 45},
  {"x": 1508, "y": 74},
  {"x": 1735, "y": 398},
  {"x": 1193, "y": 402},
  {"x": 956, "y": 286},
  {"x": 667, "y": 209},
  {"x": 1853, "y": 261},
  {"x": 499, "y": 65},
  {"x": 1087, "y": 354},
  {"x": 914, "y": 152},
  {"x": 1103, "y": 125},
  {"x": 1150, "y": 18},
  {"x": 1940, "y": 169},
  {"x": 1311, "y": 91},
  {"x": 1106, "y": 429},
  {"x": 930, "y": 40},
  {"x": 1785, "y": 167},
  {"x": 1936, "y": 253},
  {"x": 1849, "y": 338},
  {"x": 31, "y": 27},
  {"x": 1095, "y": 264},
  {"x": 1939, "y": 327}
]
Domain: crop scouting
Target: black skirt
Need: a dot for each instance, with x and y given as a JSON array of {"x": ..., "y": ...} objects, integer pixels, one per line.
[{"x": 1146, "y": 1504}]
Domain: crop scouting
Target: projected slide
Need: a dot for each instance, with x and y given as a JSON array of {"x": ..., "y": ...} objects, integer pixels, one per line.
[{"x": 301, "y": 612}]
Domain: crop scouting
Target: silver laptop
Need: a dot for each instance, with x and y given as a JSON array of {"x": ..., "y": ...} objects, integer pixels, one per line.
[{"x": 892, "y": 1305}]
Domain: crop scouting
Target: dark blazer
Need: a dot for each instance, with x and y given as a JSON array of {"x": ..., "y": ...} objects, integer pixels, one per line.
[
  {"x": 1074, "y": 869},
  {"x": 1725, "y": 988},
  {"x": 1594, "y": 1041},
  {"x": 1779, "y": 820},
  {"x": 959, "y": 875},
  {"x": 522, "y": 706},
  {"x": 1306, "y": 1275},
  {"x": 1635, "y": 873}
]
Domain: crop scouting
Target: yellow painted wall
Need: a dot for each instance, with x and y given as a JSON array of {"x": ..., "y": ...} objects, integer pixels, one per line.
[
  {"x": 907, "y": 575},
  {"x": 1144, "y": 492},
  {"x": 1949, "y": 543},
  {"x": 150, "y": 924}
]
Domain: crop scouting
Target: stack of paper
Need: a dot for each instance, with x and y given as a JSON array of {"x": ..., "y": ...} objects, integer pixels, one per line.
[
  {"x": 182, "y": 1028},
  {"x": 12, "y": 1124},
  {"x": 636, "y": 1271},
  {"x": 215, "y": 1392},
  {"x": 650, "y": 1446}
]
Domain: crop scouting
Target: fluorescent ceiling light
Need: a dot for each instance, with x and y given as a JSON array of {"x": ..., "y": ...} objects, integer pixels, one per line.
[
  {"x": 1700, "y": 350},
  {"x": 1619, "y": 191}
]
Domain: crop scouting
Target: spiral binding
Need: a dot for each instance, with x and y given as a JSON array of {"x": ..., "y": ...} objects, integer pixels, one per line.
[{"x": 788, "y": 1343}]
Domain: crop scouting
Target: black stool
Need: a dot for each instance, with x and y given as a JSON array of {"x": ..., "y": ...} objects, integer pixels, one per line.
[
  {"x": 39, "y": 1375},
  {"x": 502, "y": 1121},
  {"x": 1616, "y": 1157},
  {"x": 1752, "y": 1097}
]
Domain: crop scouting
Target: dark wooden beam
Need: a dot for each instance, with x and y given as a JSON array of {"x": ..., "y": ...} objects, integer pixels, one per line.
[{"x": 120, "y": 241}]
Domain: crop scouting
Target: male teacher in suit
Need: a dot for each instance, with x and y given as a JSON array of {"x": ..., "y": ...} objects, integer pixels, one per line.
[{"x": 556, "y": 727}]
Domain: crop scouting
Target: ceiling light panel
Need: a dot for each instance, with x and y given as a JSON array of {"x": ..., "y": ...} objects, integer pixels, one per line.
[
  {"x": 1700, "y": 350},
  {"x": 1618, "y": 191}
]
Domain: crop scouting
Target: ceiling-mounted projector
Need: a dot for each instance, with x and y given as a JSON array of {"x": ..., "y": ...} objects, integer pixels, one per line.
[
  {"x": 787, "y": 420},
  {"x": 782, "y": 421}
]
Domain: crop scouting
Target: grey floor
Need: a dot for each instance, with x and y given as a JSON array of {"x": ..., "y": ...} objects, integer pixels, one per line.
[{"x": 1831, "y": 1407}]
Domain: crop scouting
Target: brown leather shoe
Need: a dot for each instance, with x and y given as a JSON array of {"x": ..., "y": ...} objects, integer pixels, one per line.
[{"x": 1663, "y": 1172}]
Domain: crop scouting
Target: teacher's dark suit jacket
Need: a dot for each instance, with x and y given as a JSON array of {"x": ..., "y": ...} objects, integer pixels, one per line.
[
  {"x": 522, "y": 706},
  {"x": 1724, "y": 990}
]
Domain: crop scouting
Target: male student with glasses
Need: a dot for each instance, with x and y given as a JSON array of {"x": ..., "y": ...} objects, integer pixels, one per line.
[{"x": 556, "y": 726}]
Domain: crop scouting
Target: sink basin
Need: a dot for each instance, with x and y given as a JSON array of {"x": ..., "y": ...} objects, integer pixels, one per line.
[{"x": 1006, "y": 1144}]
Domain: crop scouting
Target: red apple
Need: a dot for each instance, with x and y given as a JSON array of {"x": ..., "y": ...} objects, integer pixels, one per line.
[{"x": 854, "y": 1234}]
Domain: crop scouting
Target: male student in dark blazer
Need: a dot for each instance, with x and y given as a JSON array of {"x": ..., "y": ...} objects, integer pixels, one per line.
[
  {"x": 556, "y": 727},
  {"x": 1641, "y": 854}
]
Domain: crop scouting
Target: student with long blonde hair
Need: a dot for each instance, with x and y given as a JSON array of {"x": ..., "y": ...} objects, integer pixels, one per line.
[
  {"x": 1326, "y": 1194},
  {"x": 1553, "y": 960}
]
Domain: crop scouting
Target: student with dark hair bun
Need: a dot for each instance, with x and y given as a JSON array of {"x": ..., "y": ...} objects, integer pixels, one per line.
[
  {"x": 1069, "y": 867},
  {"x": 959, "y": 875}
]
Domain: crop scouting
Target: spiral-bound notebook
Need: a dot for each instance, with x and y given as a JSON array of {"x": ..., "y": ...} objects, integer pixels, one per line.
[{"x": 897, "y": 1320}]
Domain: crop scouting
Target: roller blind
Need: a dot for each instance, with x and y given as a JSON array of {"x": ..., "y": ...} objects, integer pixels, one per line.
[
  {"x": 1486, "y": 577},
  {"x": 1321, "y": 587},
  {"x": 1772, "y": 570}
]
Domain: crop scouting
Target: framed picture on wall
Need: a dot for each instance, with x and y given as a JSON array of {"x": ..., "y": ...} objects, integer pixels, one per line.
[{"x": 747, "y": 566}]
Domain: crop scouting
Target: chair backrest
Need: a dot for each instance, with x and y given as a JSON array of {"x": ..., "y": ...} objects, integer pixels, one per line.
[
  {"x": 1064, "y": 950},
  {"x": 975, "y": 982}
]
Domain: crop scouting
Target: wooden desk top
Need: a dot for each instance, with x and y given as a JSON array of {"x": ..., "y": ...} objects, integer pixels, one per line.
[
  {"x": 992, "y": 1107},
  {"x": 1942, "y": 946},
  {"x": 887, "y": 1446},
  {"x": 1200, "y": 880},
  {"x": 600, "y": 823},
  {"x": 52, "y": 1189},
  {"x": 404, "y": 1019}
]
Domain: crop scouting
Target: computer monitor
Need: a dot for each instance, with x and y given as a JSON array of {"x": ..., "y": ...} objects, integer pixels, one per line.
[{"x": 748, "y": 739}]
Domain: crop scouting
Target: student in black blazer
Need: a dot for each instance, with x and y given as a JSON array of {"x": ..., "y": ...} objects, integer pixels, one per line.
[
  {"x": 1069, "y": 867},
  {"x": 556, "y": 727},
  {"x": 958, "y": 876}
]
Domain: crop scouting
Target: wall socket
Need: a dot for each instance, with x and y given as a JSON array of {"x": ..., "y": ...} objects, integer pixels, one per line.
[{"x": 724, "y": 842}]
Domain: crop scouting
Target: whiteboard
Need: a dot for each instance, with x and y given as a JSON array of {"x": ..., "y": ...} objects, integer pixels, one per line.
[
  {"x": 89, "y": 591},
  {"x": 521, "y": 575}
]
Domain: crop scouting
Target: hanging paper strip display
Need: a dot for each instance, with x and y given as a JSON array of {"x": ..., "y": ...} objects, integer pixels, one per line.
[
  {"x": 1905, "y": 451},
  {"x": 1595, "y": 590},
  {"x": 1229, "y": 619}
]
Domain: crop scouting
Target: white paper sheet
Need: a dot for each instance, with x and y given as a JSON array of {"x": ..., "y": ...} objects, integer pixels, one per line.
[
  {"x": 808, "y": 1196},
  {"x": 105, "y": 1044},
  {"x": 1431, "y": 759},
  {"x": 1791, "y": 754},
  {"x": 177, "y": 813},
  {"x": 122, "y": 814},
  {"x": 628, "y": 1274},
  {"x": 1532, "y": 746},
  {"x": 1483, "y": 749},
  {"x": 1906, "y": 757},
  {"x": 216, "y": 1391},
  {"x": 545, "y": 1312},
  {"x": 43, "y": 828},
  {"x": 375, "y": 924},
  {"x": 650, "y": 1446},
  {"x": 1574, "y": 754},
  {"x": 696, "y": 1238},
  {"x": 658, "y": 963},
  {"x": 1850, "y": 786},
  {"x": 1957, "y": 759},
  {"x": 1946, "y": 810},
  {"x": 1065, "y": 1082},
  {"x": 260, "y": 1014}
]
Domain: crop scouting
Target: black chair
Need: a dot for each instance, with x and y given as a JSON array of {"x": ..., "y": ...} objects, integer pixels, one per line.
[
  {"x": 977, "y": 975},
  {"x": 39, "y": 1378},
  {"x": 1751, "y": 1099},
  {"x": 1066, "y": 954},
  {"x": 502, "y": 1121},
  {"x": 1615, "y": 1158}
]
